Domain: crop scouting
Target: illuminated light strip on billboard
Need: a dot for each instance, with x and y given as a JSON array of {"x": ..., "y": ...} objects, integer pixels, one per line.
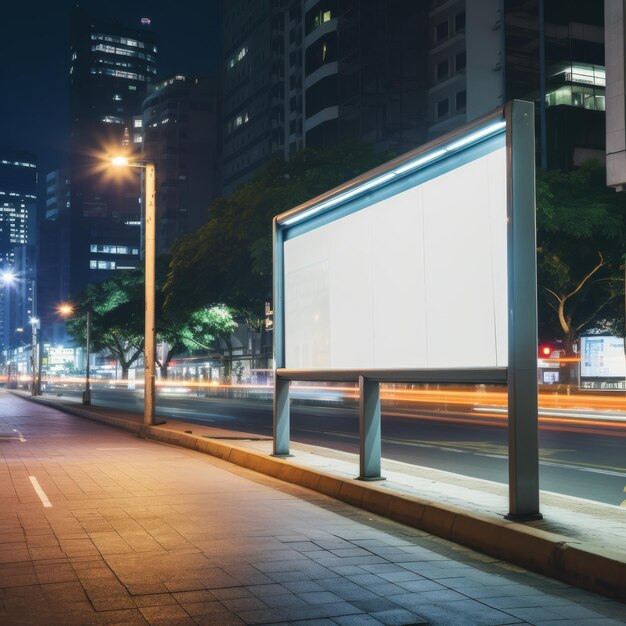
[{"x": 411, "y": 166}]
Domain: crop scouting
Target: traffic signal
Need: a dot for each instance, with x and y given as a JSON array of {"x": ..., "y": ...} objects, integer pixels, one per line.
[{"x": 545, "y": 351}]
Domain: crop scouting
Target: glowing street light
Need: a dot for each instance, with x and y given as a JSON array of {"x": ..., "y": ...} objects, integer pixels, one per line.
[
  {"x": 65, "y": 309},
  {"x": 149, "y": 210},
  {"x": 120, "y": 161},
  {"x": 8, "y": 277}
]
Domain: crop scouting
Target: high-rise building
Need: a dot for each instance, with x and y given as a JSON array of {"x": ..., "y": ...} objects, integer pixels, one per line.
[
  {"x": 313, "y": 73},
  {"x": 550, "y": 53},
  {"x": 181, "y": 135},
  {"x": 110, "y": 70},
  {"x": 53, "y": 267},
  {"x": 18, "y": 195},
  {"x": 615, "y": 26}
]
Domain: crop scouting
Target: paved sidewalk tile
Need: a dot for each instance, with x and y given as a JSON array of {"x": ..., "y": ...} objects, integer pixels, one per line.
[{"x": 148, "y": 534}]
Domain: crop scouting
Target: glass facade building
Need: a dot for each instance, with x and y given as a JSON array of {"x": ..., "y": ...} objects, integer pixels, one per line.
[{"x": 111, "y": 67}]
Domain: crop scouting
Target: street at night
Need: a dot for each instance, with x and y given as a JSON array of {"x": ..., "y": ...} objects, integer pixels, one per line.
[
  {"x": 579, "y": 457},
  {"x": 99, "y": 525},
  {"x": 313, "y": 312}
]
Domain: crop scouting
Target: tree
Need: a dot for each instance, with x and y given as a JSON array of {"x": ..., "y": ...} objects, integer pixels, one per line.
[
  {"x": 580, "y": 238},
  {"x": 229, "y": 259},
  {"x": 208, "y": 324},
  {"x": 117, "y": 317}
]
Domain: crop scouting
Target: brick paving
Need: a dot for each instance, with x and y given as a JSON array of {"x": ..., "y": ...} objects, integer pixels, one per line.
[{"x": 138, "y": 532}]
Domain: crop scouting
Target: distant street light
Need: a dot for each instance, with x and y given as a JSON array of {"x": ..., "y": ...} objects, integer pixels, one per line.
[
  {"x": 149, "y": 211},
  {"x": 65, "y": 310}
]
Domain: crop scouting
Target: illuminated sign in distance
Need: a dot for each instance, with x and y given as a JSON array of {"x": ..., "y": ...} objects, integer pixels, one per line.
[{"x": 146, "y": 21}]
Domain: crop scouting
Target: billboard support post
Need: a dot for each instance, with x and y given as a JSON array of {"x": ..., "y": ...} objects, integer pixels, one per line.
[
  {"x": 369, "y": 430},
  {"x": 522, "y": 285},
  {"x": 281, "y": 417}
]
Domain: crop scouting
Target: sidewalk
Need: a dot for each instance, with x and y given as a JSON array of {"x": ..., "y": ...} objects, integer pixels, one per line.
[{"x": 578, "y": 541}]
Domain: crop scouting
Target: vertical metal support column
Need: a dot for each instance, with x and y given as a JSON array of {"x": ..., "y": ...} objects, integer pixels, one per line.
[
  {"x": 281, "y": 385},
  {"x": 522, "y": 312},
  {"x": 281, "y": 417},
  {"x": 87, "y": 391},
  {"x": 34, "y": 391},
  {"x": 149, "y": 327},
  {"x": 369, "y": 430}
]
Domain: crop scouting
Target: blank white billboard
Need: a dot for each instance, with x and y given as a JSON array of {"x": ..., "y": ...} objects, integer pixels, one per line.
[{"x": 418, "y": 280}]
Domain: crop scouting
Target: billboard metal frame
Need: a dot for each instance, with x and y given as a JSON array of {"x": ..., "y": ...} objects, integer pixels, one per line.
[{"x": 516, "y": 122}]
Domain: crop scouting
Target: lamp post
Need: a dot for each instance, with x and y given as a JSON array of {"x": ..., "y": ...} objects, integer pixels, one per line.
[
  {"x": 34, "y": 321},
  {"x": 8, "y": 278},
  {"x": 87, "y": 392},
  {"x": 65, "y": 310},
  {"x": 149, "y": 221}
]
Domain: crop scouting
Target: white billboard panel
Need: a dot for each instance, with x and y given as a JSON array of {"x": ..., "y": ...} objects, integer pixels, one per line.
[{"x": 417, "y": 280}]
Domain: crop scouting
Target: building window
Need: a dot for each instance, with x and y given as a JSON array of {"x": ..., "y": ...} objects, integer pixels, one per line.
[
  {"x": 460, "y": 61},
  {"x": 113, "y": 249},
  {"x": 101, "y": 265},
  {"x": 461, "y": 100},
  {"x": 238, "y": 56},
  {"x": 459, "y": 22},
  {"x": 443, "y": 69},
  {"x": 443, "y": 108},
  {"x": 441, "y": 31},
  {"x": 320, "y": 15},
  {"x": 112, "y": 119}
]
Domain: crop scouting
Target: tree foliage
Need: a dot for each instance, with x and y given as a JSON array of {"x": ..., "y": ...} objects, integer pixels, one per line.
[
  {"x": 581, "y": 244},
  {"x": 229, "y": 259},
  {"x": 117, "y": 317}
]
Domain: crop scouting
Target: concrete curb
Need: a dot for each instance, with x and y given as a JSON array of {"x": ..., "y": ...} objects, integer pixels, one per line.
[{"x": 550, "y": 554}]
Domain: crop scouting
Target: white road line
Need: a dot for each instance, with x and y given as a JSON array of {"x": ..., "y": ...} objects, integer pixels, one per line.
[
  {"x": 40, "y": 492},
  {"x": 15, "y": 430}
]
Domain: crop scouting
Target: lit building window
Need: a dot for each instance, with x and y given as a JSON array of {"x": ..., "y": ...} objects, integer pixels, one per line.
[
  {"x": 321, "y": 18},
  {"x": 137, "y": 123},
  {"x": 579, "y": 86},
  {"x": 237, "y": 57},
  {"x": 113, "y": 249}
]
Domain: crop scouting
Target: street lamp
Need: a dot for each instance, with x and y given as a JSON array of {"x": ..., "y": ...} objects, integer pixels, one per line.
[
  {"x": 149, "y": 210},
  {"x": 65, "y": 310},
  {"x": 34, "y": 321}
]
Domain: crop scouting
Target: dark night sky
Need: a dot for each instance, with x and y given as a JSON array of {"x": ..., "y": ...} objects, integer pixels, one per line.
[{"x": 34, "y": 61}]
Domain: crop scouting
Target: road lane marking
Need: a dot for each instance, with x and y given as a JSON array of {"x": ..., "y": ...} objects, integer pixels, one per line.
[
  {"x": 594, "y": 470},
  {"x": 40, "y": 492},
  {"x": 21, "y": 437}
]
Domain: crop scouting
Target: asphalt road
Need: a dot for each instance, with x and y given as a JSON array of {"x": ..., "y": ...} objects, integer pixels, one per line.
[{"x": 587, "y": 461}]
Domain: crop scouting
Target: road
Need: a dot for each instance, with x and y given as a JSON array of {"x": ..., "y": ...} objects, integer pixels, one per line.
[{"x": 586, "y": 460}]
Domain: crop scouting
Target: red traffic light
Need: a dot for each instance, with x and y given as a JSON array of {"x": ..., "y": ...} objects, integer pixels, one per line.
[{"x": 545, "y": 351}]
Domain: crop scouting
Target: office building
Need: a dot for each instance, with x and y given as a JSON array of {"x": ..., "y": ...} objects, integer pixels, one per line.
[
  {"x": 53, "y": 268},
  {"x": 551, "y": 53},
  {"x": 18, "y": 196},
  {"x": 111, "y": 67},
  {"x": 180, "y": 134},
  {"x": 313, "y": 73}
]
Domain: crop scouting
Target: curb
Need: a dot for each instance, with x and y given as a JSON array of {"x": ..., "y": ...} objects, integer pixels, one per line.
[{"x": 552, "y": 555}]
